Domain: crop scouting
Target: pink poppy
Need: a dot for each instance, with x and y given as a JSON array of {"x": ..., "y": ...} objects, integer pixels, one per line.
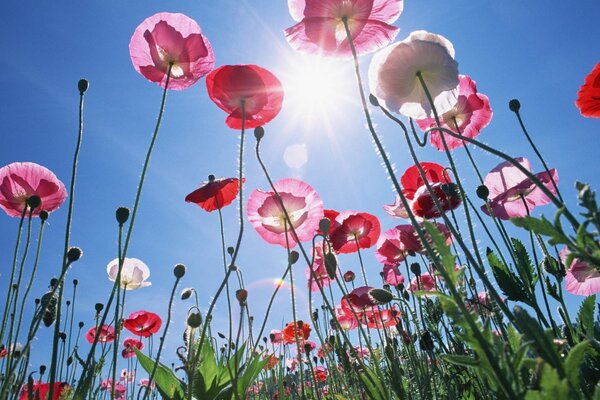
[
  {"x": 303, "y": 205},
  {"x": 512, "y": 193},
  {"x": 378, "y": 319},
  {"x": 40, "y": 391},
  {"x": 21, "y": 180},
  {"x": 257, "y": 89},
  {"x": 359, "y": 301},
  {"x": 142, "y": 323},
  {"x": 129, "y": 346},
  {"x": 320, "y": 28},
  {"x": 120, "y": 389},
  {"x": 393, "y": 75},
  {"x": 397, "y": 243},
  {"x": 392, "y": 275},
  {"x": 472, "y": 113},
  {"x": 424, "y": 283},
  {"x": 582, "y": 279},
  {"x": 320, "y": 271},
  {"x": 357, "y": 230},
  {"x": 215, "y": 194},
  {"x": 175, "y": 40},
  {"x": 588, "y": 97},
  {"x": 276, "y": 336},
  {"x": 106, "y": 335},
  {"x": 345, "y": 318},
  {"x": 421, "y": 200},
  {"x": 396, "y": 209}
]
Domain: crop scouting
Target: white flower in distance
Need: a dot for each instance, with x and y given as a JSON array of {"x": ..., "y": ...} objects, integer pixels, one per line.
[
  {"x": 393, "y": 75},
  {"x": 133, "y": 274}
]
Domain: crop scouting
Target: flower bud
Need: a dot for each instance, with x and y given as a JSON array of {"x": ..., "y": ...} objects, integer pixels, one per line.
[
  {"x": 373, "y": 100},
  {"x": 415, "y": 268},
  {"x": 259, "y": 132},
  {"x": 75, "y": 282},
  {"x": 293, "y": 257},
  {"x": 211, "y": 178},
  {"x": 514, "y": 105},
  {"x": 83, "y": 86},
  {"x": 81, "y": 324},
  {"x": 482, "y": 192},
  {"x": 42, "y": 369},
  {"x": 186, "y": 293},
  {"x": 194, "y": 320},
  {"x": 34, "y": 202},
  {"x": 122, "y": 215},
  {"x": 241, "y": 295},
  {"x": 74, "y": 254},
  {"x": 179, "y": 271},
  {"x": 382, "y": 296},
  {"x": 43, "y": 215},
  {"x": 349, "y": 276},
  {"x": 230, "y": 250},
  {"x": 98, "y": 307},
  {"x": 325, "y": 225}
]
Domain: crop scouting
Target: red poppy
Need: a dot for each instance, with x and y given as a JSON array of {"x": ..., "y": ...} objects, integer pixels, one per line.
[
  {"x": 40, "y": 391},
  {"x": 320, "y": 374},
  {"x": 382, "y": 318},
  {"x": 300, "y": 329},
  {"x": 142, "y": 323},
  {"x": 588, "y": 97},
  {"x": 215, "y": 194},
  {"x": 259, "y": 90},
  {"x": 129, "y": 346},
  {"x": 421, "y": 199},
  {"x": 106, "y": 335},
  {"x": 357, "y": 230}
]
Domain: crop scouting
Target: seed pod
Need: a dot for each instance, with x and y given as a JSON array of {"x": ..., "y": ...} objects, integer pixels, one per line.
[{"x": 49, "y": 301}]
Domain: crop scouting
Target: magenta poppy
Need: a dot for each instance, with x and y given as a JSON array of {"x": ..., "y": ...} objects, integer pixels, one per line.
[
  {"x": 40, "y": 391},
  {"x": 129, "y": 346},
  {"x": 359, "y": 300},
  {"x": 303, "y": 205},
  {"x": 21, "y": 180},
  {"x": 396, "y": 244},
  {"x": 512, "y": 193},
  {"x": 320, "y": 28},
  {"x": 588, "y": 97},
  {"x": 142, "y": 323},
  {"x": 472, "y": 113},
  {"x": 106, "y": 335},
  {"x": 257, "y": 89},
  {"x": 319, "y": 277},
  {"x": 421, "y": 199},
  {"x": 392, "y": 275},
  {"x": 357, "y": 230},
  {"x": 215, "y": 194},
  {"x": 582, "y": 279},
  {"x": 331, "y": 215},
  {"x": 345, "y": 318},
  {"x": 425, "y": 283},
  {"x": 168, "y": 40},
  {"x": 378, "y": 319}
]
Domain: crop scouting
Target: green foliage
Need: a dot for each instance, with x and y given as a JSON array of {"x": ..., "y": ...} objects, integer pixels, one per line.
[
  {"x": 551, "y": 386},
  {"x": 585, "y": 317},
  {"x": 168, "y": 385},
  {"x": 510, "y": 284}
]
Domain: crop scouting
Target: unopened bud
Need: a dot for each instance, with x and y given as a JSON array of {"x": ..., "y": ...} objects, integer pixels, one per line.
[
  {"x": 122, "y": 215},
  {"x": 382, "y": 296},
  {"x": 482, "y": 192},
  {"x": 186, "y": 293},
  {"x": 373, "y": 100},
  {"x": 43, "y": 215},
  {"x": 179, "y": 271},
  {"x": 325, "y": 225},
  {"x": 259, "y": 132},
  {"x": 514, "y": 105},
  {"x": 349, "y": 276},
  {"x": 241, "y": 295},
  {"x": 83, "y": 86},
  {"x": 415, "y": 268},
  {"x": 194, "y": 320},
  {"x": 98, "y": 307},
  {"x": 293, "y": 257},
  {"x": 74, "y": 254},
  {"x": 34, "y": 202}
]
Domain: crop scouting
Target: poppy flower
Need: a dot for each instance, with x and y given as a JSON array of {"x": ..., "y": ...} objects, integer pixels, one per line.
[
  {"x": 319, "y": 270},
  {"x": 129, "y": 346},
  {"x": 358, "y": 301},
  {"x": 21, "y": 180},
  {"x": 133, "y": 273},
  {"x": 421, "y": 200},
  {"x": 120, "y": 389},
  {"x": 396, "y": 209},
  {"x": 300, "y": 329},
  {"x": 582, "y": 279},
  {"x": 320, "y": 373},
  {"x": 16, "y": 348},
  {"x": 345, "y": 318},
  {"x": 588, "y": 97},
  {"x": 171, "y": 40},
  {"x": 393, "y": 75},
  {"x": 357, "y": 230},
  {"x": 127, "y": 376},
  {"x": 331, "y": 215},
  {"x": 392, "y": 275},
  {"x": 142, "y": 323},
  {"x": 303, "y": 205},
  {"x": 215, "y": 194},
  {"x": 397, "y": 243},
  {"x": 378, "y": 319},
  {"x": 512, "y": 193},
  {"x": 320, "y": 28},
  {"x": 276, "y": 336},
  {"x": 258, "y": 90},
  {"x": 424, "y": 283},
  {"x": 106, "y": 335},
  {"x": 40, "y": 391},
  {"x": 472, "y": 113}
]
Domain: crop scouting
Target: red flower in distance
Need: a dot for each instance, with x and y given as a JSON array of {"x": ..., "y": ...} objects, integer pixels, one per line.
[
  {"x": 171, "y": 40},
  {"x": 142, "y": 323},
  {"x": 291, "y": 330},
  {"x": 106, "y": 335},
  {"x": 215, "y": 194},
  {"x": 422, "y": 202},
  {"x": 588, "y": 97},
  {"x": 129, "y": 346},
  {"x": 40, "y": 391},
  {"x": 397, "y": 243},
  {"x": 356, "y": 229},
  {"x": 320, "y": 28},
  {"x": 257, "y": 89}
]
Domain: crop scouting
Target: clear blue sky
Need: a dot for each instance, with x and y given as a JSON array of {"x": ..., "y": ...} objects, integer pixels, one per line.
[{"x": 537, "y": 53}]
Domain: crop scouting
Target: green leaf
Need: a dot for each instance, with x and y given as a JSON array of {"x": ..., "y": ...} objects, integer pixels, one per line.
[
  {"x": 542, "y": 227},
  {"x": 167, "y": 383},
  {"x": 373, "y": 385},
  {"x": 552, "y": 387},
  {"x": 574, "y": 362},
  {"x": 524, "y": 264},
  {"x": 458, "y": 359},
  {"x": 509, "y": 283},
  {"x": 585, "y": 316},
  {"x": 446, "y": 256}
]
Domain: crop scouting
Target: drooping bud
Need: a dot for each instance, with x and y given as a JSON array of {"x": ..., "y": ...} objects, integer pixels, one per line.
[
  {"x": 187, "y": 293},
  {"x": 293, "y": 257},
  {"x": 373, "y": 100},
  {"x": 382, "y": 296},
  {"x": 194, "y": 320}
]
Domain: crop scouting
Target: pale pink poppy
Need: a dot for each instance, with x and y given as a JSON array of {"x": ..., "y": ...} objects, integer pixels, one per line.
[
  {"x": 582, "y": 279},
  {"x": 303, "y": 205},
  {"x": 356, "y": 230},
  {"x": 392, "y": 275},
  {"x": 321, "y": 277},
  {"x": 395, "y": 244},
  {"x": 134, "y": 273},
  {"x": 424, "y": 283},
  {"x": 175, "y": 40},
  {"x": 512, "y": 193},
  {"x": 320, "y": 28},
  {"x": 393, "y": 75},
  {"x": 345, "y": 319},
  {"x": 472, "y": 113},
  {"x": 397, "y": 209},
  {"x": 21, "y": 180}
]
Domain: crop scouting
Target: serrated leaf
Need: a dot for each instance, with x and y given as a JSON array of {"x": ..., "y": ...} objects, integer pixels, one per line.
[
  {"x": 574, "y": 362},
  {"x": 585, "y": 316},
  {"x": 167, "y": 383},
  {"x": 509, "y": 283},
  {"x": 524, "y": 264},
  {"x": 542, "y": 227}
]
